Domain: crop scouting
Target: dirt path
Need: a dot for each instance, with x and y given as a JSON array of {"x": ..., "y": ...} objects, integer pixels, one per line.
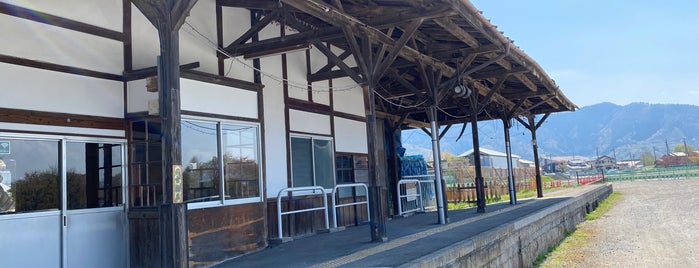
[{"x": 654, "y": 224}]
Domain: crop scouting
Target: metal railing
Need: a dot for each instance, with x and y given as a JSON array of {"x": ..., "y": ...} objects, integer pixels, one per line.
[
  {"x": 351, "y": 185},
  {"x": 406, "y": 198},
  {"x": 429, "y": 199},
  {"x": 297, "y": 189}
]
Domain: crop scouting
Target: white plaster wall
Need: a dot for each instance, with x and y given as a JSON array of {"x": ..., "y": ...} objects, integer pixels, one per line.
[
  {"x": 348, "y": 96},
  {"x": 350, "y": 136},
  {"x": 296, "y": 74},
  {"x": 42, "y": 42},
  {"x": 216, "y": 99},
  {"x": 144, "y": 41},
  {"x": 138, "y": 96},
  {"x": 101, "y": 13},
  {"x": 321, "y": 89},
  {"x": 35, "y": 89},
  {"x": 197, "y": 35},
  {"x": 309, "y": 122},
  {"x": 275, "y": 128}
]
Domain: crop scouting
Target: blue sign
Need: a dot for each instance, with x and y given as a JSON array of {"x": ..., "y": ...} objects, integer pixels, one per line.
[{"x": 4, "y": 147}]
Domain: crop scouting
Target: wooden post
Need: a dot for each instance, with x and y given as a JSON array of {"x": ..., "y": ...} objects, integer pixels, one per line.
[
  {"x": 480, "y": 187},
  {"x": 376, "y": 190},
  {"x": 168, "y": 16}
]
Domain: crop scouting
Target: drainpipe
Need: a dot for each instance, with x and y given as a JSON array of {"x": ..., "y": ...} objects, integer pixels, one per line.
[
  {"x": 437, "y": 165},
  {"x": 510, "y": 173}
]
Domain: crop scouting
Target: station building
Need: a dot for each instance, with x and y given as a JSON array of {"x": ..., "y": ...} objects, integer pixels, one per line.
[{"x": 270, "y": 95}]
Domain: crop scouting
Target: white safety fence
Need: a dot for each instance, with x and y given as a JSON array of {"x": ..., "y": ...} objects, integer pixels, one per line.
[
  {"x": 336, "y": 206},
  {"x": 312, "y": 191},
  {"x": 416, "y": 193}
]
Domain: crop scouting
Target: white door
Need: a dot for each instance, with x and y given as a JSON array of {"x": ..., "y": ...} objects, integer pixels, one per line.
[
  {"x": 62, "y": 203},
  {"x": 94, "y": 226}
]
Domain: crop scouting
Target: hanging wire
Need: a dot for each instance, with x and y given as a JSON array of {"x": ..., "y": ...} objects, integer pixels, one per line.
[{"x": 304, "y": 86}]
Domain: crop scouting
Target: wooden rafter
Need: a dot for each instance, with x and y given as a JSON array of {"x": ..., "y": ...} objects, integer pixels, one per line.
[{"x": 335, "y": 17}]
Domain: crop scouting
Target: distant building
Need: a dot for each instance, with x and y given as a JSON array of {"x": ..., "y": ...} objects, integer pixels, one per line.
[
  {"x": 576, "y": 165},
  {"x": 603, "y": 163},
  {"x": 525, "y": 163},
  {"x": 677, "y": 159},
  {"x": 492, "y": 158}
]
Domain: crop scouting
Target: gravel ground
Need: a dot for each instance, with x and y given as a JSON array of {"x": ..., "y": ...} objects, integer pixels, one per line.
[{"x": 653, "y": 224}]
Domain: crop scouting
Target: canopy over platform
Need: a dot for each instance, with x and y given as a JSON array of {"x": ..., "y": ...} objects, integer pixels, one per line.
[{"x": 447, "y": 45}]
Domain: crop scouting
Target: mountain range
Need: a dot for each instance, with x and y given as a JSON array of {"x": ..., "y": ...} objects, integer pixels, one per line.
[{"x": 623, "y": 132}]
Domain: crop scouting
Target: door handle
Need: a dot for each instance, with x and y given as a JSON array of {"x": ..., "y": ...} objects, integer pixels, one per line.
[{"x": 65, "y": 220}]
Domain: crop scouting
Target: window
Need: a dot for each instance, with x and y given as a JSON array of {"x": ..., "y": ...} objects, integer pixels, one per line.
[
  {"x": 32, "y": 177},
  {"x": 351, "y": 168},
  {"x": 146, "y": 183},
  {"x": 312, "y": 162},
  {"x": 94, "y": 177},
  {"x": 221, "y": 163}
]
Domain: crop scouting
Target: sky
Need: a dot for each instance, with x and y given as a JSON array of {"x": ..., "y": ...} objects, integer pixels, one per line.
[{"x": 619, "y": 51}]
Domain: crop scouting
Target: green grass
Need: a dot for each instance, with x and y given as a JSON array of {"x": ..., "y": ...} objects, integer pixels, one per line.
[
  {"x": 568, "y": 251},
  {"x": 604, "y": 206}
]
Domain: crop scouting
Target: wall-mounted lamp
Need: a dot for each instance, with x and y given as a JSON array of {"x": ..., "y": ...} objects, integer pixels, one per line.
[
  {"x": 152, "y": 84},
  {"x": 462, "y": 91},
  {"x": 277, "y": 51}
]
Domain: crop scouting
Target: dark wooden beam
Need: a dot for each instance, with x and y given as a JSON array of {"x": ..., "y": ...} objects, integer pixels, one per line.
[
  {"x": 251, "y": 4},
  {"x": 330, "y": 75},
  {"x": 457, "y": 31},
  {"x": 322, "y": 34},
  {"x": 59, "y": 68},
  {"x": 492, "y": 74},
  {"x": 330, "y": 65},
  {"x": 57, "y": 21},
  {"x": 153, "y": 71},
  {"x": 221, "y": 80},
  {"x": 60, "y": 119},
  {"x": 385, "y": 62},
  {"x": 338, "y": 62},
  {"x": 255, "y": 29},
  {"x": 337, "y": 18}
]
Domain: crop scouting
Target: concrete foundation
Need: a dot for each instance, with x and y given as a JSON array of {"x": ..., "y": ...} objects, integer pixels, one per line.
[{"x": 518, "y": 243}]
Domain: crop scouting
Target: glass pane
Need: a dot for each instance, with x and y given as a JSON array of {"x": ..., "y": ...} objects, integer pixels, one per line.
[
  {"x": 200, "y": 159},
  {"x": 301, "y": 162},
  {"x": 138, "y": 130},
  {"x": 139, "y": 152},
  {"x": 30, "y": 180},
  {"x": 242, "y": 175},
  {"x": 154, "y": 185},
  {"x": 323, "y": 156},
  {"x": 154, "y": 131},
  {"x": 93, "y": 180}
]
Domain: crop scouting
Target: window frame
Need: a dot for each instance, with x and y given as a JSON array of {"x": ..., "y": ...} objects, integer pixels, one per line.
[
  {"x": 332, "y": 160},
  {"x": 62, "y": 141},
  {"x": 222, "y": 201}
]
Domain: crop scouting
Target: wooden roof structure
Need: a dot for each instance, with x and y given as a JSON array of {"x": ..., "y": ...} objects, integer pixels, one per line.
[{"x": 417, "y": 53}]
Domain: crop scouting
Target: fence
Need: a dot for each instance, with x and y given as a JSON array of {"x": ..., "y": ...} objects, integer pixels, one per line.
[
  {"x": 336, "y": 206},
  {"x": 309, "y": 190},
  {"x": 654, "y": 173}
]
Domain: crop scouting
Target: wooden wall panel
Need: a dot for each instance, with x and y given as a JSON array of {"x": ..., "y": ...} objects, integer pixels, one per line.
[
  {"x": 144, "y": 238},
  {"x": 308, "y": 223},
  {"x": 220, "y": 233}
]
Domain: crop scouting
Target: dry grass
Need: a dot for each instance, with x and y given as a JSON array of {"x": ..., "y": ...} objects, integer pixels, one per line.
[{"x": 571, "y": 252}]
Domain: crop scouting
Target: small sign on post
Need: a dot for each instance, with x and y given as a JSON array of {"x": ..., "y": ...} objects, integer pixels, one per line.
[
  {"x": 177, "y": 184},
  {"x": 5, "y": 147}
]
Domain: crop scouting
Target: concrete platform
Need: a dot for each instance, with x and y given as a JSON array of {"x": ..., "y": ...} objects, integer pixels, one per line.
[{"x": 504, "y": 236}]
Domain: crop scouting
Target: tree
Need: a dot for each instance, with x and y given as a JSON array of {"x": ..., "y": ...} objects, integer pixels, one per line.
[
  {"x": 647, "y": 159},
  {"x": 680, "y": 148}
]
